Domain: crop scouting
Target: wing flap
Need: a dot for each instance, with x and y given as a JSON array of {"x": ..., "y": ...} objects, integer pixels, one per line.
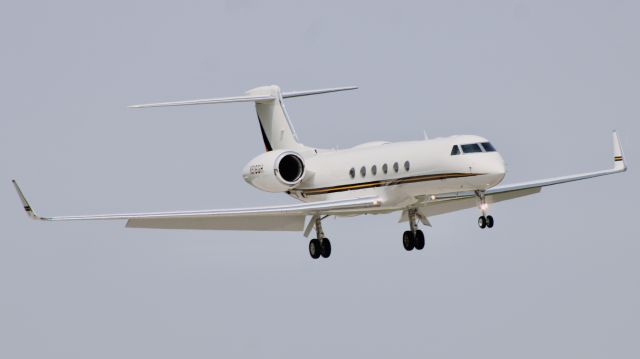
[{"x": 245, "y": 223}]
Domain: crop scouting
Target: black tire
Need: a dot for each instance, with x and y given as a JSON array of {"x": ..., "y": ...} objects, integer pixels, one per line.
[
  {"x": 419, "y": 240},
  {"x": 482, "y": 222},
  {"x": 408, "y": 240},
  {"x": 489, "y": 221},
  {"x": 326, "y": 248},
  {"x": 315, "y": 248}
]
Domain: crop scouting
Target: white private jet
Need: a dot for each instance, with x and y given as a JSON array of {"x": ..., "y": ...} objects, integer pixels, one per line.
[{"x": 420, "y": 179}]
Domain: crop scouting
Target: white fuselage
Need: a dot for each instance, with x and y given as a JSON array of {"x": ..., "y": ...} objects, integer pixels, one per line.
[{"x": 415, "y": 168}]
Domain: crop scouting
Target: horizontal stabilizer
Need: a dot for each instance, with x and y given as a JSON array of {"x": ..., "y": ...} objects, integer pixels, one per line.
[
  {"x": 207, "y": 101},
  {"x": 247, "y": 98},
  {"x": 316, "y": 92}
]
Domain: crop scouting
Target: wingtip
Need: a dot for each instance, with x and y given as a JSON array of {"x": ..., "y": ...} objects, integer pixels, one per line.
[
  {"x": 23, "y": 200},
  {"x": 618, "y": 155}
]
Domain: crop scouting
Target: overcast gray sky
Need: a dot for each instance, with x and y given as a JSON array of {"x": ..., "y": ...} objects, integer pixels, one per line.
[{"x": 546, "y": 81}]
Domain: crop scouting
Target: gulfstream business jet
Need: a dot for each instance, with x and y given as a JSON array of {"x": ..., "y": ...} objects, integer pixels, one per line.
[{"x": 419, "y": 179}]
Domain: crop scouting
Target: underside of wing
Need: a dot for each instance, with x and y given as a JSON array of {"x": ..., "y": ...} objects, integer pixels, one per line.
[
  {"x": 290, "y": 222},
  {"x": 470, "y": 201}
]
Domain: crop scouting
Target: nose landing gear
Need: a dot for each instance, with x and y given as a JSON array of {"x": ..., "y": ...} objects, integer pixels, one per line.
[
  {"x": 414, "y": 238},
  {"x": 484, "y": 221}
]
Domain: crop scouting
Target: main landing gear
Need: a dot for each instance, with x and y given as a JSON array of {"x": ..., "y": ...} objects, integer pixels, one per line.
[
  {"x": 319, "y": 246},
  {"x": 413, "y": 238}
]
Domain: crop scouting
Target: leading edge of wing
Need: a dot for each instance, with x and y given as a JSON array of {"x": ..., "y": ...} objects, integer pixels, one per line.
[{"x": 292, "y": 209}]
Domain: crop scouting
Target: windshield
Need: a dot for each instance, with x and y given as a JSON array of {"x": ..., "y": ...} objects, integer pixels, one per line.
[{"x": 471, "y": 148}]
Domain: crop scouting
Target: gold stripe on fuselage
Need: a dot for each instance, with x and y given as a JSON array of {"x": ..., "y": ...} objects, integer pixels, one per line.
[{"x": 389, "y": 182}]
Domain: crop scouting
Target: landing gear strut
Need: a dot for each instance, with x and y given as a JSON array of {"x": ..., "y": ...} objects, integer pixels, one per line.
[
  {"x": 413, "y": 238},
  {"x": 319, "y": 246},
  {"x": 484, "y": 221}
]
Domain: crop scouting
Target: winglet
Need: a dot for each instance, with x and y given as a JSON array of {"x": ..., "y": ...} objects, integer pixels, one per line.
[
  {"x": 25, "y": 204},
  {"x": 617, "y": 154}
]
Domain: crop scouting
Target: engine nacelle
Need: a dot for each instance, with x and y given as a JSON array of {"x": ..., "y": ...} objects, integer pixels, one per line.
[{"x": 275, "y": 171}]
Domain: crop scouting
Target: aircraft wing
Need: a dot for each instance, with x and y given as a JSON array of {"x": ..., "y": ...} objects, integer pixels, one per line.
[
  {"x": 458, "y": 201},
  {"x": 272, "y": 218}
]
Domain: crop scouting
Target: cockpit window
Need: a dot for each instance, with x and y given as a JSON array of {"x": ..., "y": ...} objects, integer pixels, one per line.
[
  {"x": 488, "y": 147},
  {"x": 471, "y": 148},
  {"x": 455, "y": 150}
]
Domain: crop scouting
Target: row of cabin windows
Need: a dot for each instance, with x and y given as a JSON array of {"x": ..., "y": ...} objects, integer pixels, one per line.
[
  {"x": 472, "y": 148},
  {"x": 374, "y": 169}
]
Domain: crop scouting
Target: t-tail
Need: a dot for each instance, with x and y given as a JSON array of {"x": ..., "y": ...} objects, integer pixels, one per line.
[{"x": 275, "y": 126}]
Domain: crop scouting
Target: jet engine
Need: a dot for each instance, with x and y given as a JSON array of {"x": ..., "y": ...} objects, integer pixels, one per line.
[{"x": 275, "y": 171}]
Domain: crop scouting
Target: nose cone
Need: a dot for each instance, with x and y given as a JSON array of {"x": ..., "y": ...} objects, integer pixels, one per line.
[
  {"x": 495, "y": 169},
  {"x": 498, "y": 167}
]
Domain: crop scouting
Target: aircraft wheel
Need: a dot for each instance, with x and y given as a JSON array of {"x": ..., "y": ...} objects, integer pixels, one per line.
[
  {"x": 482, "y": 222},
  {"x": 326, "y": 247},
  {"x": 489, "y": 221},
  {"x": 419, "y": 240},
  {"x": 315, "y": 248},
  {"x": 408, "y": 240}
]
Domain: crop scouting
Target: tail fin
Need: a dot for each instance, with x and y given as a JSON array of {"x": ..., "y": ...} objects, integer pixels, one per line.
[{"x": 277, "y": 130}]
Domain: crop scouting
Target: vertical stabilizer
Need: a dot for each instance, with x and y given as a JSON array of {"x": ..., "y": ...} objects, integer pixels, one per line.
[{"x": 277, "y": 130}]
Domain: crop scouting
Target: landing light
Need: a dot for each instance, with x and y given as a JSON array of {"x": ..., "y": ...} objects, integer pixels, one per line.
[
  {"x": 484, "y": 206},
  {"x": 433, "y": 198}
]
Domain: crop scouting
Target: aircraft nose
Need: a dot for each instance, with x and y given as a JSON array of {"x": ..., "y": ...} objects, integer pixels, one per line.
[
  {"x": 495, "y": 169},
  {"x": 499, "y": 167}
]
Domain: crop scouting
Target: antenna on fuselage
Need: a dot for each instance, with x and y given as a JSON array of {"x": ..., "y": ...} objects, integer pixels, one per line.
[{"x": 426, "y": 137}]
